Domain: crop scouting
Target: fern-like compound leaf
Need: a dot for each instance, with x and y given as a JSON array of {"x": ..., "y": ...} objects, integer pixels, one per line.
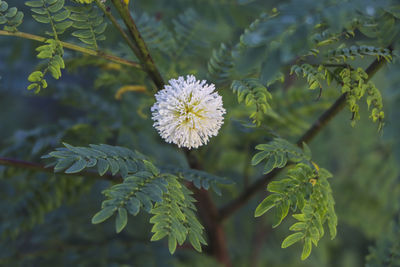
[
  {"x": 11, "y": 18},
  {"x": 174, "y": 217},
  {"x": 103, "y": 158},
  {"x": 89, "y": 24},
  {"x": 139, "y": 191},
  {"x": 306, "y": 189},
  {"x": 253, "y": 93},
  {"x": 342, "y": 54},
  {"x": 51, "y": 12}
]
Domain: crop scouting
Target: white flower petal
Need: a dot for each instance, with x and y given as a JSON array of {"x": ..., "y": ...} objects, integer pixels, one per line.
[{"x": 188, "y": 112}]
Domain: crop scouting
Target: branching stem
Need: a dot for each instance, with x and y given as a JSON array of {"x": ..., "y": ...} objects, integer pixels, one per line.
[
  {"x": 141, "y": 52},
  {"x": 74, "y": 47}
]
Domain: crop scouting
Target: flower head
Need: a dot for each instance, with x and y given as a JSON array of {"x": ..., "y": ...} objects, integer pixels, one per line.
[{"x": 188, "y": 112}]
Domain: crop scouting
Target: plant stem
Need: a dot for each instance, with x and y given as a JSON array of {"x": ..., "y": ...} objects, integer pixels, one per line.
[
  {"x": 74, "y": 47},
  {"x": 226, "y": 211},
  {"x": 141, "y": 52},
  {"x": 115, "y": 23},
  {"x": 41, "y": 168}
]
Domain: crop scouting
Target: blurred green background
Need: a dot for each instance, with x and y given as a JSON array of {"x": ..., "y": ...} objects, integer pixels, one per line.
[{"x": 80, "y": 109}]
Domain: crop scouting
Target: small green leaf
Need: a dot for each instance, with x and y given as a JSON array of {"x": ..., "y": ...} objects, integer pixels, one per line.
[
  {"x": 133, "y": 206},
  {"x": 259, "y": 157},
  {"x": 63, "y": 164},
  {"x": 41, "y": 19},
  {"x": 290, "y": 240},
  {"x": 306, "y": 249},
  {"x": 114, "y": 165},
  {"x": 158, "y": 235},
  {"x": 77, "y": 166},
  {"x": 171, "y": 244},
  {"x": 121, "y": 220},
  {"x": 270, "y": 165},
  {"x": 34, "y": 3},
  {"x": 103, "y": 215},
  {"x": 267, "y": 204},
  {"x": 35, "y": 76},
  {"x": 194, "y": 241},
  {"x": 56, "y": 6},
  {"x": 299, "y": 226},
  {"x": 102, "y": 166}
]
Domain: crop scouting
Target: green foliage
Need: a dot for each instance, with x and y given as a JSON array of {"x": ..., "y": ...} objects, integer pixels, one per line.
[
  {"x": 53, "y": 51},
  {"x": 342, "y": 54},
  {"x": 200, "y": 179},
  {"x": 188, "y": 33},
  {"x": 51, "y": 12},
  {"x": 315, "y": 75},
  {"x": 253, "y": 93},
  {"x": 156, "y": 34},
  {"x": 355, "y": 85},
  {"x": 173, "y": 210},
  {"x": 90, "y": 25},
  {"x": 142, "y": 186},
  {"x": 103, "y": 157},
  {"x": 175, "y": 217},
  {"x": 315, "y": 41},
  {"x": 386, "y": 252},
  {"x": 54, "y": 13},
  {"x": 220, "y": 65},
  {"x": 305, "y": 189},
  {"x": 11, "y": 18},
  {"x": 40, "y": 199},
  {"x": 278, "y": 152},
  {"x": 138, "y": 191}
]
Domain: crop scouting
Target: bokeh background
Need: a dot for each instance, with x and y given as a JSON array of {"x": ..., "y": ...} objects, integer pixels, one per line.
[{"x": 42, "y": 227}]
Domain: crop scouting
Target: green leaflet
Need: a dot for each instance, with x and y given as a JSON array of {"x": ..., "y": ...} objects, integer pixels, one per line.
[{"x": 11, "y": 18}]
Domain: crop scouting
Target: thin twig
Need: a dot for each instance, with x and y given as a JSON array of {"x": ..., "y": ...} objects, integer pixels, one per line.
[
  {"x": 115, "y": 23},
  {"x": 75, "y": 48},
  {"x": 142, "y": 52},
  {"x": 226, "y": 211}
]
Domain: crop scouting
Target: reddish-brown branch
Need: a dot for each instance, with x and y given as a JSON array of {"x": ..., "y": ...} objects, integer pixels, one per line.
[{"x": 209, "y": 215}]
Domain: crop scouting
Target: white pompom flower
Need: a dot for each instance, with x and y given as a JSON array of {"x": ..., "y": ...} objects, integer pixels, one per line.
[{"x": 188, "y": 112}]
